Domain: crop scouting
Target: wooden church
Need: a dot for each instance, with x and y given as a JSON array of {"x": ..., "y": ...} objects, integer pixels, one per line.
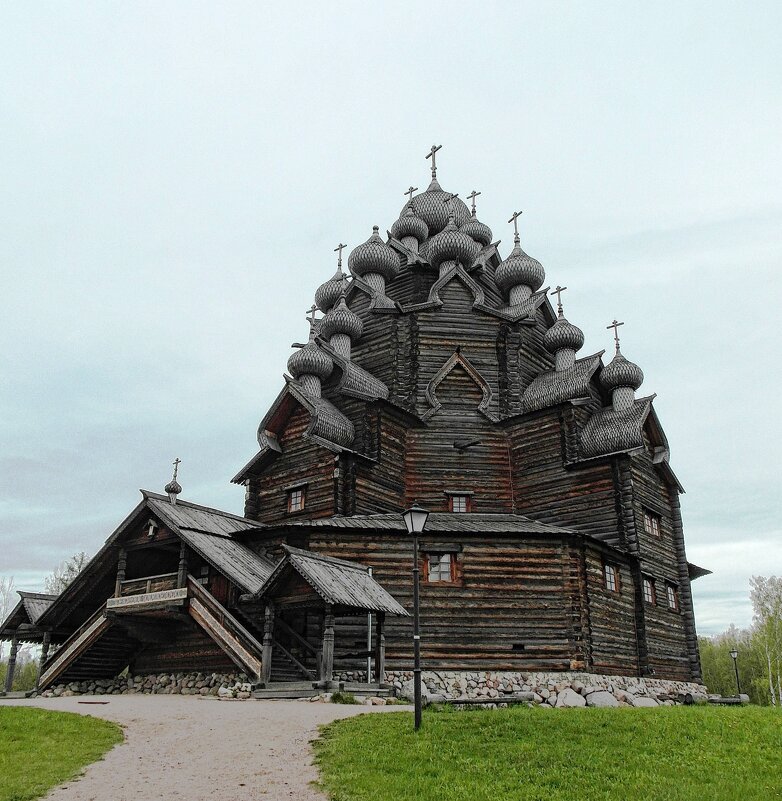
[{"x": 438, "y": 372}]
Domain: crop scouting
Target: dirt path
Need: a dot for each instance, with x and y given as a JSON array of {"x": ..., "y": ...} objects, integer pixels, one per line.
[{"x": 202, "y": 750}]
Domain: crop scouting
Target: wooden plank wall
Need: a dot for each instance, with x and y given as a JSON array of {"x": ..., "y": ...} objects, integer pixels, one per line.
[{"x": 190, "y": 649}]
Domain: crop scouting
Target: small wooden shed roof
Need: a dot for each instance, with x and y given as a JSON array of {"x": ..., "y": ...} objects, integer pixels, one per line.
[
  {"x": 342, "y": 584},
  {"x": 26, "y": 613}
]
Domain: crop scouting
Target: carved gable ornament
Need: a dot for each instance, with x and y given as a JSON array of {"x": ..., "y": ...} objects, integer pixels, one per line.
[{"x": 458, "y": 360}]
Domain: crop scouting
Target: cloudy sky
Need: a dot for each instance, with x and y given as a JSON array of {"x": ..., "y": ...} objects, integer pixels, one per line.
[{"x": 176, "y": 175}]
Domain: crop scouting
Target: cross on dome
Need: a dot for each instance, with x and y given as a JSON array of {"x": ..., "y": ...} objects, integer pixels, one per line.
[
  {"x": 311, "y": 314},
  {"x": 409, "y": 193},
  {"x": 558, "y": 292},
  {"x": 432, "y": 154},
  {"x": 514, "y": 218},
  {"x": 472, "y": 197},
  {"x": 615, "y": 325},
  {"x": 450, "y": 196},
  {"x": 340, "y": 247},
  {"x": 176, "y": 464}
]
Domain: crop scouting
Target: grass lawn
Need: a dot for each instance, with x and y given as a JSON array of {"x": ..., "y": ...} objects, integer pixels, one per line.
[
  {"x": 40, "y": 749},
  {"x": 521, "y": 754}
]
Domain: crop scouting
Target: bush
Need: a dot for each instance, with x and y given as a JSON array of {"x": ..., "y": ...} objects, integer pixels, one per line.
[{"x": 343, "y": 698}]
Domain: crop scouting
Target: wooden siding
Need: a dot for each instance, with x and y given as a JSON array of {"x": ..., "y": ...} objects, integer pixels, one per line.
[{"x": 190, "y": 649}]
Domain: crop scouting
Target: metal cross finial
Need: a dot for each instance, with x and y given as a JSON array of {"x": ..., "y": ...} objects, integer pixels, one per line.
[
  {"x": 448, "y": 202},
  {"x": 311, "y": 314},
  {"x": 514, "y": 218},
  {"x": 472, "y": 197},
  {"x": 409, "y": 194},
  {"x": 432, "y": 155},
  {"x": 615, "y": 325},
  {"x": 176, "y": 464},
  {"x": 558, "y": 292},
  {"x": 340, "y": 247}
]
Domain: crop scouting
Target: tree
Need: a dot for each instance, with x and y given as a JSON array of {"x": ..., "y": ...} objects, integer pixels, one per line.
[
  {"x": 8, "y": 600},
  {"x": 65, "y": 573},
  {"x": 766, "y": 595}
]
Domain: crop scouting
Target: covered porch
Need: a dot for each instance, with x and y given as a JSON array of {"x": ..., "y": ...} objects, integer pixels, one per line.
[{"x": 302, "y": 600}]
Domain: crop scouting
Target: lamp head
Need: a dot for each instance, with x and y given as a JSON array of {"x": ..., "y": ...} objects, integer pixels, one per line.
[
  {"x": 734, "y": 654},
  {"x": 415, "y": 519}
]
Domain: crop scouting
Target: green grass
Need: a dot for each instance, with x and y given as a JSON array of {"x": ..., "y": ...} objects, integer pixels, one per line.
[
  {"x": 521, "y": 754},
  {"x": 343, "y": 698},
  {"x": 40, "y": 749}
]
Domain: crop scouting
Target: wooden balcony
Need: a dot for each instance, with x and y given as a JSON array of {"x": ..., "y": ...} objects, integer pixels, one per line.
[
  {"x": 147, "y": 584},
  {"x": 148, "y": 593}
]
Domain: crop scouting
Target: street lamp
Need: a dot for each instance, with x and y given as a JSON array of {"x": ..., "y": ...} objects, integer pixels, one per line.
[
  {"x": 415, "y": 519},
  {"x": 734, "y": 655}
]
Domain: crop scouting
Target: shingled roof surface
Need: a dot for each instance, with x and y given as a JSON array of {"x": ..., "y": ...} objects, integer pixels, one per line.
[
  {"x": 340, "y": 583},
  {"x": 609, "y": 431},
  {"x": 556, "y": 386},
  {"x": 446, "y": 522}
]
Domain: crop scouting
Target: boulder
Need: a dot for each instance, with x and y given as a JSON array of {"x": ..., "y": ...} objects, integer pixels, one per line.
[
  {"x": 601, "y": 698},
  {"x": 570, "y": 698},
  {"x": 640, "y": 700}
]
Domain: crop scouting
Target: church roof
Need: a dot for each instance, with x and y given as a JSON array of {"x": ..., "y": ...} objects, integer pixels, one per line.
[
  {"x": 343, "y": 584},
  {"x": 609, "y": 431},
  {"x": 556, "y": 386}
]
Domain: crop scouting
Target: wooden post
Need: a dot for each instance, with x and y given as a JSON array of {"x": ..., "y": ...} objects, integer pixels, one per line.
[
  {"x": 47, "y": 638},
  {"x": 122, "y": 563},
  {"x": 181, "y": 579},
  {"x": 268, "y": 643},
  {"x": 9, "y": 677},
  {"x": 380, "y": 648},
  {"x": 327, "y": 661}
]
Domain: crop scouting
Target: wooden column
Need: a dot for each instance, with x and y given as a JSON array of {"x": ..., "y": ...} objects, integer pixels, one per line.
[
  {"x": 181, "y": 579},
  {"x": 327, "y": 660},
  {"x": 380, "y": 648},
  {"x": 47, "y": 638},
  {"x": 9, "y": 677},
  {"x": 268, "y": 643},
  {"x": 122, "y": 564}
]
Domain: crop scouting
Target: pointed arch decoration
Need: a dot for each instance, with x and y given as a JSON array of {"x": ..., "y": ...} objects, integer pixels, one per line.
[{"x": 458, "y": 360}]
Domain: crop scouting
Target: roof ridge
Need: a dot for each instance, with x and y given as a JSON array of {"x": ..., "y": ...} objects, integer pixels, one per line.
[
  {"x": 41, "y": 596},
  {"x": 323, "y": 558},
  {"x": 191, "y": 505}
]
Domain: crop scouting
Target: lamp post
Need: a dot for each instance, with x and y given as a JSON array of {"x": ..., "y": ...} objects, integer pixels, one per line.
[
  {"x": 415, "y": 520},
  {"x": 734, "y": 655}
]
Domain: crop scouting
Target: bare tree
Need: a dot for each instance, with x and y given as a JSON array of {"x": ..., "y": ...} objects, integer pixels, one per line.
[
  {"x": 65, "y": 573},
  {"x": 766, "y": 594},
  {"x": 7, "y": 603}
]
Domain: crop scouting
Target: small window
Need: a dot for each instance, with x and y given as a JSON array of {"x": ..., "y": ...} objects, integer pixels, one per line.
[
  {"x": 650, "y": 596},
  {"x": 441, "y": 567},
  {"x": 611, "y": 575},
  {"x": 651, "y": 523},
  {"x": 296, "y": 499},
  {"x": 673, "y": 597},
  {"x": 459, "y": 503}
]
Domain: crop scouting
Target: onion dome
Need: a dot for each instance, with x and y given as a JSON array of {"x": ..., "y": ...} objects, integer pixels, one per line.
[
  {"x": 329, "y": 293},
  {"x": 341, "y": 320},
  {"x": 452, "y": 245},
  {"x": 173, "y": 487},
  {"x": 310, "y": 360},
  {"x": 518, "y": 269},
  {"x": 374, "y": 256},
  {"x": 431, "y": 207},
  {"x": 563, "y": 335},
  {"x": 620, "y": 372},
  {"x": 409, "y": 224},
  {"x": 477, "y": 230}
]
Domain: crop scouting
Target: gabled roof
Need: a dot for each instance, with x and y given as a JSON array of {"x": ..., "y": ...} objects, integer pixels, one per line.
[
  {"x": 342, "y": 584},
  {"x": 609, "y": 431},
  {"x": 30, "y": 607},
  {"x": 556, "y": 386},
  {"x": 438, "y": 522}
]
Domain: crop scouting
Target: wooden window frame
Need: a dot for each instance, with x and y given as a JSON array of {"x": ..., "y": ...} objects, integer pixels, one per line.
[
  {"x": 428, "y": 555},
  {"x": 653, "y": 523},
  {"x": 651, "y": 598},
  {"x": 672, "y": 594},
  {"x": 299, "y": 493},
  {"x": 461, "y": 497},
  {"x": 614, "y": 572}
]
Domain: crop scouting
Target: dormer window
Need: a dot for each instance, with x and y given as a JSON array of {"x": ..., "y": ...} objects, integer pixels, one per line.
[
  {"x": 459, "y": 501},
  {"x": 296, "y": 499}
]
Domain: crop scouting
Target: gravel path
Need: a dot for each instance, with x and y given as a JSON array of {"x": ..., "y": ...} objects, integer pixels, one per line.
[{"x": 202, "y": 750}]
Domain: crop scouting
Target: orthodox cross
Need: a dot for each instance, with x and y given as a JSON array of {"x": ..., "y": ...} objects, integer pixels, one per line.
[
  {"x": 409, "y": 194},
  {"x": 615, "y": 325},
  {"x": 432, "y": 155},
  {"x": 340, "y": 247},
  {"x": 447, "y": 200},
  {"x": 472, "y": 197},
  {"x": 311, "y": 315},
  {"x": 558, "y": 292},
  {"x": 514, "y": 218},
  {"x": 176, "y": 464}
]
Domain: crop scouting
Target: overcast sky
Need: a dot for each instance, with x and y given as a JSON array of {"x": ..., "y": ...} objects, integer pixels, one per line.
[{"x": 175, "y": 176}]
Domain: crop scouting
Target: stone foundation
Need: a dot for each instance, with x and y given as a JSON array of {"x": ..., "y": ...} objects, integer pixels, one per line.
[{"x": 223, "y": 685}]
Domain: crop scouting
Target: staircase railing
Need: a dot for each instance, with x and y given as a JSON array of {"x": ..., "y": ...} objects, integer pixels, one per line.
[{"x": 305, "y": 670}]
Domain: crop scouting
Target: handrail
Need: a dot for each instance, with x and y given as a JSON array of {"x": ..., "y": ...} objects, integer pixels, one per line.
[
  {"x": 293, "y": 659},
  {"x": 308, "y": 646},
  {"x": 146, "y": 578},
  {"x": 225, "y": 616},
  {"x": 74, "y": 636}
]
